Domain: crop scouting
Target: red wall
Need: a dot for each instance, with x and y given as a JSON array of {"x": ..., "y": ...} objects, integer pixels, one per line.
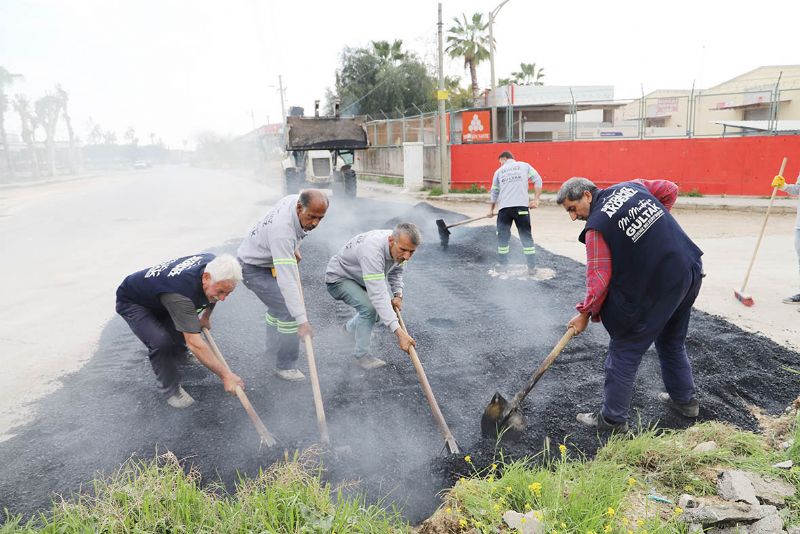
[{"x": 732, "y": 166}]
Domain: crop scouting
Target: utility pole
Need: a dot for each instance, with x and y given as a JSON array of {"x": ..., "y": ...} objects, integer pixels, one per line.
[
  {"x": 441, "y": 96},
  {"x": 492, "y": 15},
  {"x": 283, "y": 109}
]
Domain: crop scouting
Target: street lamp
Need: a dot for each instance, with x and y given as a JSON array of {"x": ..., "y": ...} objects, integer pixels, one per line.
[{"x": 492, "y": 14}]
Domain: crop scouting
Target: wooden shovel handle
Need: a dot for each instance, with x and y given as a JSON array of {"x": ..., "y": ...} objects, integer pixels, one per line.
[
  {"x": 265, "y": 434},
  {"x": 469, "y": 221},
  {"x": 449, "y": 440}
]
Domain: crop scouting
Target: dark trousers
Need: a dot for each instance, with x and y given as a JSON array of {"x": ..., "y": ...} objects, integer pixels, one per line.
[
  {"x": 665, "y": 325},
  {"x": 281, "y": 326},
  {"x": 165, "y": 344},
  {"x": 519, "y": 215}
]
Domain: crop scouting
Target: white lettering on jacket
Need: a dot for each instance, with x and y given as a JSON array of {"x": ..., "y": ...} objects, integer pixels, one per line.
[{"x": 615, "y": 201}]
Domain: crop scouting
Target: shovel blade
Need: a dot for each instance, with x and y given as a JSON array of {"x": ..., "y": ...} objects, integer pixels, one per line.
[
  {"x": 499, "y": 420},
  {"x": 444, "y": 232}
]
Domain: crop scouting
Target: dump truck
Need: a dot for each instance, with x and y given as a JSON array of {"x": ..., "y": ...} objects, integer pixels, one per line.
[{"x": 320, "y": 152}]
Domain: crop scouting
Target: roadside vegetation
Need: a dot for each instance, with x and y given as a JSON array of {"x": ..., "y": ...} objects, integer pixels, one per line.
[
  {"x": 390, "y": 180},
  {"x": 631, "y": 486}
]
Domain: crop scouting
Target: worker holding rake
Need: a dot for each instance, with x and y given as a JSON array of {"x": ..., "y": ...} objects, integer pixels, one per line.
[
  {"x": 643, "y": 274},
  {"x": 791, "y": 189},
  {"x": 269, "y": 256},
  {"x": 510, "y": 195},
  {"x": 362, "y": 274},
  {"x": 161, "y": 306}
]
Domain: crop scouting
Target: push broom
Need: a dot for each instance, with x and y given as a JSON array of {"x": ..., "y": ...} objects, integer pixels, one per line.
[{"x": 740, "y": 294}]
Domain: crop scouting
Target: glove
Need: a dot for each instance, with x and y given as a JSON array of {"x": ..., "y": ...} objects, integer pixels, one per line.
[{"x": 778, "y": 181}]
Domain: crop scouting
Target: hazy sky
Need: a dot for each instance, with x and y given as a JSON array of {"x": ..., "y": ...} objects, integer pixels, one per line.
[{"x": 176, "y": 68}]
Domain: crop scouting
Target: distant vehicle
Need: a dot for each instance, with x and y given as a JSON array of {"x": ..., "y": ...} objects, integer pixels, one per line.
[{"x": 141, "y": 164}]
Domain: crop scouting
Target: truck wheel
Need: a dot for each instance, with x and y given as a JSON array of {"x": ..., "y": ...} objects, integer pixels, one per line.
[
  {"x": 293, "y": 182},
  {"x": 350, "y": 183}
]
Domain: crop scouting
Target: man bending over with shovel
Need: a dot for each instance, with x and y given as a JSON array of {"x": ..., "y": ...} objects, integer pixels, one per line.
[
  {"x": 510, "y": 195},
  {"x": 643, "y": 274},
  {"x": 161, "y": 304},
  {"x": 362, "y": 274},
  {"x": 269, "y": 256}
]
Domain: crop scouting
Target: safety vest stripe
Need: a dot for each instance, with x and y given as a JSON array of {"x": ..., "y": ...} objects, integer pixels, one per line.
[
  {"x": 529, "y": 250},
  {"x": 284, "y": 261},
  {"x": 272, "y": 321},
  {"x": 522, "y": 213},
  {"x": 368, "y": 277},
  {"x": 288, "y": 330},
  {"x": 287, "y": 323},
  {"x": 502, "y": 250}
]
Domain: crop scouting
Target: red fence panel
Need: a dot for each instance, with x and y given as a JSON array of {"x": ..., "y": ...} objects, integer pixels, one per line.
[{"x": 730, "y": 166}]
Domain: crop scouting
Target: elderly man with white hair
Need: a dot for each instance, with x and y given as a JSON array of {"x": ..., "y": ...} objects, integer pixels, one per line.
[{"x": 161, "y": 305}]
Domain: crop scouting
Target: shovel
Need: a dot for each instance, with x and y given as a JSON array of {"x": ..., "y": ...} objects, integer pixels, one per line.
[
  {"x": 502, "y": 418},
  {"x": 444, "y": 229},
  {"x": 449, "y": 440},
  {"x": 266, "y": 437}
]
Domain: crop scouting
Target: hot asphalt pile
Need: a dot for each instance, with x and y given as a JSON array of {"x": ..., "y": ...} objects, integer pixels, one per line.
[{"x": 475, "y": 334}]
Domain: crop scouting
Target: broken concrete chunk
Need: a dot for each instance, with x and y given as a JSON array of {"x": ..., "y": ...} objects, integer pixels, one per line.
[
  {"x": 687, "y": 501},
  {"x": 735, "y": 486},
  {"x": 525, "y": 523},
  {"x": 769, "y": 490},
  {"x": 793, "y": 530},
  {"x": 784, "y": 465},
  {"x": 706, "y": 446},
  {"x": 696, "y": 528},
  {"x": 768, "y": 525},
  {"x": 728, "y": 512}
]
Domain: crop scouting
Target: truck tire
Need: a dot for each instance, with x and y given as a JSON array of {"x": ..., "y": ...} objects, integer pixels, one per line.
[
  {"x": 293, "y": 181},
  {"x": 350, "y": 183}
]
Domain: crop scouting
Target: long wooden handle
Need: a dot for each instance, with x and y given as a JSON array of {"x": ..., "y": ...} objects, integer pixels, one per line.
[
  {"x": 469, "y": 221},
  {"x": 322, "y": 423},
  {"x": 261, "y": 428},
  {"x": 449, "y": 440},
  {"x": 763, "y": 227},
  {"x": 541, "y": 370}
]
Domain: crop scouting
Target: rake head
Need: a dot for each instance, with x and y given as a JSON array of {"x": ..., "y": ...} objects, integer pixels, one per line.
[{"x": 444, "y": 233}]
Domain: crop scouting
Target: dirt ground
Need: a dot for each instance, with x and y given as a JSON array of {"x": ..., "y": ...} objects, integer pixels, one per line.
[{"x": 476, "y": 334}]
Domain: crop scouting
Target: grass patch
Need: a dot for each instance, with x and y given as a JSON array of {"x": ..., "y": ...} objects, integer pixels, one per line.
[
  {"x": 694, "y": 192},
  {"x": 390, "y": 180},
  {"x": 473, "y": 189},
  {"x": 161, "y": 496},
  {"x": 435, "y": 191},
  {"x": 631, "y": 485}
]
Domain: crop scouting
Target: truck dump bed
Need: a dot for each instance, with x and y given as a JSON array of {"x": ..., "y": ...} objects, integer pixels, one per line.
[{"x": 325, "y": 133}]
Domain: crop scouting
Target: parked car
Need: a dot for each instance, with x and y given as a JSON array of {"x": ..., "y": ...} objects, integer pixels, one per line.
[{"x": 141, "y": 164}]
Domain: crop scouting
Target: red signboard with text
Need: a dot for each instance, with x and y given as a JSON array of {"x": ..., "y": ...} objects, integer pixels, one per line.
[{"x": 476, "y": 126}]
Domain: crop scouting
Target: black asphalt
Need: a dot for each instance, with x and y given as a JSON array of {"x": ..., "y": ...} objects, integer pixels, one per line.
[{"x": 476, "y": 334}]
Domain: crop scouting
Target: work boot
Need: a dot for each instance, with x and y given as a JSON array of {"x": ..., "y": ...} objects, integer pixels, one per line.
[
  {"x": 290, "y": 375},
  {"x": 501, "y": 268},
  {"x": 369, "y": 362},
  {"x": 794, "y": 299},
  {"x": 596, "y": 419},
  {"x": 180, "y": 399},
  {"x": 690, "y": 409}
]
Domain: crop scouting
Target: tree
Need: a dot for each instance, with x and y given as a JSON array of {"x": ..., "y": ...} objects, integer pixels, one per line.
[
  {"x": 63, "y": 97},
  {"x": 48, "y": 109},
  {"x": 6, "y": 79},
  {"x": 460, "y": 98},
  {"x": 130, "y": 136},
  {"x": 382, "y": 78},
  {"x": 109, "y": 137},
  {"x": 152, "y": 138},
  {"x": 22, "y": 106},
  {"x": 468, "y": 39},
  {"x": 95, "y": 134},
  {"x": 528, "y": 74}
]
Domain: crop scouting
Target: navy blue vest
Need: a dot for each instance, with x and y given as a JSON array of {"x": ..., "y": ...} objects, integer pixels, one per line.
[
  {"x": 650, "y": 252},
  {"x": 181, "y": 275}
]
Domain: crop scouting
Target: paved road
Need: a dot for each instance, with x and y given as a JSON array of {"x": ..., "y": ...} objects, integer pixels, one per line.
[{"x": 66, "y": 246}]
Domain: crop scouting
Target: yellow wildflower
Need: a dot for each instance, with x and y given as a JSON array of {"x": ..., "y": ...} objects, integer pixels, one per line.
[
  {"x": 494, "y": 467},
  {"x": 536, "y": 488},
  {"x": 631, "y": 481},
  {"x": 462, "y": 523},
  {"x": 563, "y": 525},
  {"x": 527, "y": 506},
  {"x": 496, "y": 507},
  {"x": 468, "y": 459},
  {"x": 523, "y": 520},
  {"x": 607, "y": 529},
  {"x": 625, "y": 521},
  {"x": 509, "y": 489},
  {"x": 448, "y": 510},
  {"x": 611, "y": 512},
  {"x": 639, "y": 523},
  {"x": 678, "y": 510},
  {"x": 538, "y": 515},
  {"x": 563, "y": 450},
  {"x": 462, "y": 480},
  {"x": 490, "y": 478}
]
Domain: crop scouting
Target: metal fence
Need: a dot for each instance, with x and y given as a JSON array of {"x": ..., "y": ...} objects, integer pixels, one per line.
[{"x": 668, "y": 114}]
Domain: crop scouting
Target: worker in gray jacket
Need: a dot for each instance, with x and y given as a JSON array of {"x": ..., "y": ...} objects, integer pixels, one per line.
[
  {"x": 269, "y": 256},
  {"x": 510, "y": 195},
  {"x": 791, "y": 189},
  {"x": 367, "y": 274}
]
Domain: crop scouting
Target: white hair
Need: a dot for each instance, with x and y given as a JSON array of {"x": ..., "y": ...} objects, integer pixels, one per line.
[{"x": 224, "y": 267}]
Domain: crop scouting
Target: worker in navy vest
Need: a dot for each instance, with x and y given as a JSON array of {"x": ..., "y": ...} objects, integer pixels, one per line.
[
  {"x": 161, "y": 305},
  {"x": 643, "y": 275}
]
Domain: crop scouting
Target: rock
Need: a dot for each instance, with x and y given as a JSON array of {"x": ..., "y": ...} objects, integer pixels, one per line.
[
  {"x": 784, "y": 465},
  {"x": 786, "y": 444},
  {"x": 735, "y": 486},
  {"x": 793, "y": 530},
  {"x": 687, "y": 501},
  {"x": 768, "y": 525},
  {"x": 524, "y": 523},
  {"x": 770, "y": 491},
  {"x": 736, "y": 529},
  {"x": 730, "y": 512},
  {"x": 706, "y": 446},
  {"x": 695, "y": 528}
]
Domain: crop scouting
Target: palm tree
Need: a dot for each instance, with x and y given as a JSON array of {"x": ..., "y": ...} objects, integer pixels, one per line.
[
  {"x": 63, "y": 97},
  {"x": 528, "y": 74},
  {"x": 48, "y": 109},
  {"x": 28, "y": 121},
  {"x": 389, "y": 53},
  {"x": 469, "y": 40},
  {"x": 6, "y": 79}
]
